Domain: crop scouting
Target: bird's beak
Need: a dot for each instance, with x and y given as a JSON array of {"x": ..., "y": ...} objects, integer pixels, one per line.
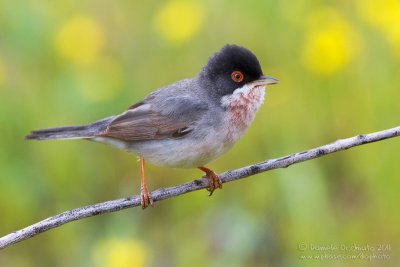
[{"x": 264, "y": 80}]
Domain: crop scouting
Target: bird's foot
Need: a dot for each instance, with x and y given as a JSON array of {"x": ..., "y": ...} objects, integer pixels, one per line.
[
  {"x": 215, "y": 181},
  {"x": 145, "y": 196},
  {"x": 146, "y": 199}
]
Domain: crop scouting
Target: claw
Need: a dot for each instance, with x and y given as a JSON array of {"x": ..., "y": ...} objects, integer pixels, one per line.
[
  {"x": 146, "y": 198},
  {"x": 215, "y": 181}
]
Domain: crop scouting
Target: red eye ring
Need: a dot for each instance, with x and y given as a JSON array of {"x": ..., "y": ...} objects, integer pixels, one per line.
[{"x": 237, "y": 76}]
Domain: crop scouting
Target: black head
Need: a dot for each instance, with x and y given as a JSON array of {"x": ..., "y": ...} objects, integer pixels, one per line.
[{"x": 231, "y": 68}]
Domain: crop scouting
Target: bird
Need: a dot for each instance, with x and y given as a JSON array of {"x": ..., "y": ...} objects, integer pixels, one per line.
[{"x": 186, "y": 124}]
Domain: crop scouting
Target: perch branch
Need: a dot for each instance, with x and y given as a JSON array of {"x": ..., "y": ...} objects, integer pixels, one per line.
[{"x": 164, "y": 193}]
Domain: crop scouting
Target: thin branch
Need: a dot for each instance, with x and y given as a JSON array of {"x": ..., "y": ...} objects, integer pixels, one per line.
[{"x": 164, "y": 193}]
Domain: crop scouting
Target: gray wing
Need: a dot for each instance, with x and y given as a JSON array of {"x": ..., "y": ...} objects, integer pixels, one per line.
[{"x": 155, "y": 118}]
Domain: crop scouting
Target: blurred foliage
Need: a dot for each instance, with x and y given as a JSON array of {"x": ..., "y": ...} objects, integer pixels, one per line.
[{"x": 72, "y": 62}]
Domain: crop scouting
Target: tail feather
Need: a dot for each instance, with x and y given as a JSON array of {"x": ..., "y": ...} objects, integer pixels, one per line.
[{"x": 70, "y": 132}]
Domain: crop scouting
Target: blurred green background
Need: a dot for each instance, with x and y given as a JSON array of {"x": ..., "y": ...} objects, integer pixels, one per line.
[{"x": 73, "y": 62}]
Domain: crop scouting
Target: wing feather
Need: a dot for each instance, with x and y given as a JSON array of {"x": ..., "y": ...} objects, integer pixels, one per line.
[{"x": 173, "y": 117}]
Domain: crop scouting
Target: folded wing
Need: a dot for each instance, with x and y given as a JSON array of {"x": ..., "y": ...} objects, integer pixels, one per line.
[{"x": 173, "y": 117}]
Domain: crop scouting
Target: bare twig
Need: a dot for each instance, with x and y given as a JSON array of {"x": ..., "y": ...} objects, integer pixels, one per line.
[{"x": 164, "y": 193}]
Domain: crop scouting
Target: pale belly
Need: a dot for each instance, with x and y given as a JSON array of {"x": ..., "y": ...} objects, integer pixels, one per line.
[
  {"x": 188, "y": 152},
  {"x": 184, "y": 153}
]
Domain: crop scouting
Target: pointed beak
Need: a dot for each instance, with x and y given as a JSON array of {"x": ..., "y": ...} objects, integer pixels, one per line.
[{"x": 265, "y": 80}]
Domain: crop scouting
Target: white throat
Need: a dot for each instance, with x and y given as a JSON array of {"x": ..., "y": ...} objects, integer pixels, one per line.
[{"x": 241, "y": 108}]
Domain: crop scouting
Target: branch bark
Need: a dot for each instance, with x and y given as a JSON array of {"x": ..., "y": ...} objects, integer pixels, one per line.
[{"x": 164, "y": 193}]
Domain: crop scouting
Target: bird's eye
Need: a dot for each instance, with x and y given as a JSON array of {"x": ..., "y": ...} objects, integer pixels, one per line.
[{"x": 237, "y": 76}]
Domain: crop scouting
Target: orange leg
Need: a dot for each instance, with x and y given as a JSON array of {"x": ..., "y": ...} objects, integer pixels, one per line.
[
  {"x": 144, "y": 193},
  {"x": 215, "y": 181}
]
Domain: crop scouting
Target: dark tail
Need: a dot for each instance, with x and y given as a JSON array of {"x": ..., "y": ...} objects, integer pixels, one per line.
[{"x": 70, "y": 132}]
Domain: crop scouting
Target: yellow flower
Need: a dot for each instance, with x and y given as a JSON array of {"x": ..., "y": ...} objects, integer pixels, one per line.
[
  {"x": 331, "y": 43},
  {"x": 385, "y": 16},
  {"x": 80, "y": 39},
  {"x": 179, "y": 20},
  {"x": 120, "y": 253}
]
